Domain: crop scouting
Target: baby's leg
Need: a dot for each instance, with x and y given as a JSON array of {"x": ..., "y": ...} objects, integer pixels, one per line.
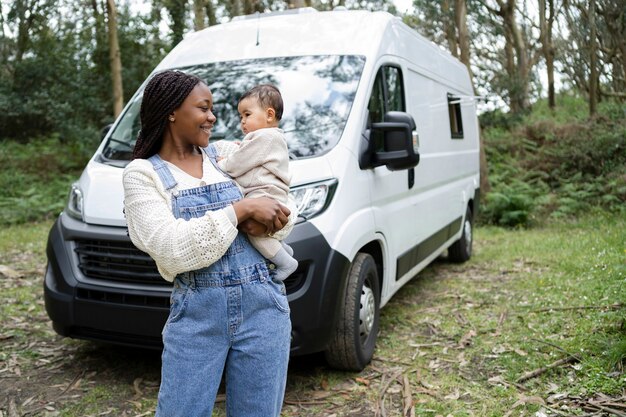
[
  {"x": 273, "y": 250},
  {"x": 287, "y": 248}
]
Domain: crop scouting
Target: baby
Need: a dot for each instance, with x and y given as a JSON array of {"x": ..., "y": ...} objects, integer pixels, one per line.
[{"x": 261, "y": 165}]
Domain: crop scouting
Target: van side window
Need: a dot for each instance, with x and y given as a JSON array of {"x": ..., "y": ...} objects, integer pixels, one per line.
[
  {"x": 395, "y": 95},
  {"x": 387, "y": 95},
  {"x": 454, "y": 113},
  {"x": 376, "y": 106}
]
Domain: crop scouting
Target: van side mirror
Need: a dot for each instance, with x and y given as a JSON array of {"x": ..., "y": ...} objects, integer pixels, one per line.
[{"x": 399, "y": 148}]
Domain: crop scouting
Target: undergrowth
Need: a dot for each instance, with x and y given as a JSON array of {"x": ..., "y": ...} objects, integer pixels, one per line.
[
  {"x": 36, "y": 177},
  {"x": 554, "y": 164}
]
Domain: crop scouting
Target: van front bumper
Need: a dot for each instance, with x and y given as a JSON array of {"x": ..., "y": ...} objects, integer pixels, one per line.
[{"x": 83, "y": 305}]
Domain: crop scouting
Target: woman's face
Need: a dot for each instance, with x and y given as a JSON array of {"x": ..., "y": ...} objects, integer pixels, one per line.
[{"x": 194, "y": 119}]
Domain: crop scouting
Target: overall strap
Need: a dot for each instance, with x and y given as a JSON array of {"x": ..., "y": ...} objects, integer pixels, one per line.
[
  {"x": 163, "y": 171},
  {"x": 211, "y": 152}
]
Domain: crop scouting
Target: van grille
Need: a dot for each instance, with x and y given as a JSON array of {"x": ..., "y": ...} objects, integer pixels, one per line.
[
  {"x": 123, "y": 262},
  {"x": 116, "y": 261}
]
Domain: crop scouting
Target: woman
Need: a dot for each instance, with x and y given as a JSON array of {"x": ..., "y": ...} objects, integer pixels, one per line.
[{"x": 227, "y": 315}]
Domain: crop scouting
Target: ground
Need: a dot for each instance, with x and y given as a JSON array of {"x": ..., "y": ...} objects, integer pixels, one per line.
[{"x": 458, "y": 340}]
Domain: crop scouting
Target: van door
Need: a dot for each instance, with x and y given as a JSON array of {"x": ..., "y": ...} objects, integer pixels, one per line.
[{"x": 390, "y": 191}]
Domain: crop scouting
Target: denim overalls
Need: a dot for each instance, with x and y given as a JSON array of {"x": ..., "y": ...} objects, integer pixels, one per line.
[{"x": 229, "y": 317}]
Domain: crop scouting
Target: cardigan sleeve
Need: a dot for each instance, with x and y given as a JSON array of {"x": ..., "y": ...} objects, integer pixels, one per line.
[{"x": 176, "y": 245}]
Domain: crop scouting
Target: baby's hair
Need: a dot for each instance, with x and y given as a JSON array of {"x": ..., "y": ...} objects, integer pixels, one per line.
[
  {"x": 164, "y": 93},
  {"x": 268, "y": 96}
]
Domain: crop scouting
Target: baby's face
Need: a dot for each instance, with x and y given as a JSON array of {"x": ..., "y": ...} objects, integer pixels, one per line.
[{"x": 253, "y": 116}]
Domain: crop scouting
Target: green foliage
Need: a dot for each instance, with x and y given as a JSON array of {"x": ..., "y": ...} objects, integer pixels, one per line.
[
  {"x": 554, "y": 163},
  {"x": 36, "y": 177},
  {"x": 62, "y": 83}
]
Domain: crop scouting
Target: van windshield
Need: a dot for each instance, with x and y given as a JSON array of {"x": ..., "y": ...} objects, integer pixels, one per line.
[{"x": 317, "y": 92}]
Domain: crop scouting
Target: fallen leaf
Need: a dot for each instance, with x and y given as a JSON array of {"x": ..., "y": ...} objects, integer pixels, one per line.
[{"x": 362, "y": 381}]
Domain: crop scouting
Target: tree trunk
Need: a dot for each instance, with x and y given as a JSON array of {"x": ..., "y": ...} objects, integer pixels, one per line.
[
  {"x": 210, "y": 12},
  {"x": 198, "y": 15},
  {"x": 177, "y": 12},
  {"x": 547, "y": 48},
  {"x": 449, "y": 29},
  {"x": 23, "y": 27},
  {"x": 295, "y": 4},
  {"x": 236, "y": 8},
  {"x": 460, "y": 11},
  {"x": 115, "y": 59},
  {"x": 593, "y": 73},
  {"x": 521, "y": 54}
]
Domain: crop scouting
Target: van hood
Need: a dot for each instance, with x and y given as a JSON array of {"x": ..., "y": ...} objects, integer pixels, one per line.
[{"x": 103, "y": 191}]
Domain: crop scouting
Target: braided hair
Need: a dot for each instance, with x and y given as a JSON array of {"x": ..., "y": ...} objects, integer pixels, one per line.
[{"x": 164, "y": 93}]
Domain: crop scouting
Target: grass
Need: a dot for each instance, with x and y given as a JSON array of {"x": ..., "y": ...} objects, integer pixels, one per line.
[
  {"x": 526, "y": 299},
  {"x": 458, "y": 336}
]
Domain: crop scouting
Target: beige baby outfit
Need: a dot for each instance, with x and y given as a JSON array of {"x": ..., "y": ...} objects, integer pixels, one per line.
[{"x": 261, "y": 168}]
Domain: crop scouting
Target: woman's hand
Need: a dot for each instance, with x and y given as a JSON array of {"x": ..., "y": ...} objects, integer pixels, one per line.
[
  {"x": 253, "y": 228},
  {"x": 263, "y": 210}
]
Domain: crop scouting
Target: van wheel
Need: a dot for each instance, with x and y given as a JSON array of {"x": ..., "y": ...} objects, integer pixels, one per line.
[
  {"x": 461, "y": 250},
  {"x": 352, "y": 345}
]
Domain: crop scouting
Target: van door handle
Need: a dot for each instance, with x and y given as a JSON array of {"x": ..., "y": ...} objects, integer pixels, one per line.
[{"x": 411, "y": 178}]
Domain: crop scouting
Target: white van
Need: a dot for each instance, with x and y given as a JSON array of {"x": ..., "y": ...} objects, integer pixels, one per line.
[{"x": 383, "y": 137}]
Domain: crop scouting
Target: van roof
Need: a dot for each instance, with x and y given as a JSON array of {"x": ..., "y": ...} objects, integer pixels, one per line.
[{"x": 355, "y": 32}]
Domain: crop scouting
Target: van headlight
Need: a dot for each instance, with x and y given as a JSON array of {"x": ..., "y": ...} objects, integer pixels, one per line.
[
  {"x": 312, "y": 199},
  {"x": 75, "y": 202}
]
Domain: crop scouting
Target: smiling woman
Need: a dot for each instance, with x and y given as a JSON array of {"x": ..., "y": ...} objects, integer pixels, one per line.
[{"x": 226, "y": 311}]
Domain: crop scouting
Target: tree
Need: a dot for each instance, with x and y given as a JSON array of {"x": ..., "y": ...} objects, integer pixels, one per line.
[
  {"x": 115, "y": 59},
  {"x": 199, "y": 14},
  {"x": 593, "y": 60},
  {"x": 593, "y": 53},
  {"x": 518, "y": 62},
  {"x": 546, "y": 24},
  {"x": 177, "y": 9}
]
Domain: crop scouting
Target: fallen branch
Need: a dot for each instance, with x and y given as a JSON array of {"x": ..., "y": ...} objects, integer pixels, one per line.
[
  {"x": 13, "y": 408},
  {"x": 407, "y": 398},
  {"x": 292, "y": 402},
  {"x": 539, "y": 371},
  {"x": 380, "y": 409},
  {"x": 557, "y": 347},
  {"x": 616, "y": 306},
  {"x": 607, "y": 409}
]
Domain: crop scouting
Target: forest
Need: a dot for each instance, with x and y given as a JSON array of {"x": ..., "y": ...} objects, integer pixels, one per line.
[{"x": 550, "y": 77}]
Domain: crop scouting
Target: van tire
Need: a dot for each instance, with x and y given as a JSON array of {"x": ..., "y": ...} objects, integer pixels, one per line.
[
  {"x": 354, "y": 339},
  {"x": 461, "y": 250}
]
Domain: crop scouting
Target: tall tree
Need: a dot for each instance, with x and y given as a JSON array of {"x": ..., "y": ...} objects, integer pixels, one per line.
[
  {"x": 199, "y": 14},
  {"x": 209, "y": 7},
  {"x": 115, "y": 59},
  {"x": 546, "y": 23},
  {"x": 593, "y": 60},
  {"x": 460, "y": 13},
  {"x": 612, "y": 16},
  {"x": 177, "y": 10}
]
